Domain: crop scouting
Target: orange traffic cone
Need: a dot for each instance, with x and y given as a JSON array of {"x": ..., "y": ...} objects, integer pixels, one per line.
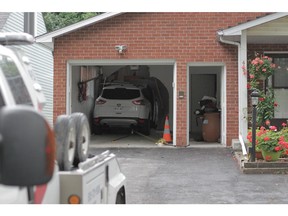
[{"x": 166, "y": 134}]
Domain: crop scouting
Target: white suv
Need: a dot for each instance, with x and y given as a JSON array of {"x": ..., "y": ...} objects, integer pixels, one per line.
[{"x": 122, "y": 105}]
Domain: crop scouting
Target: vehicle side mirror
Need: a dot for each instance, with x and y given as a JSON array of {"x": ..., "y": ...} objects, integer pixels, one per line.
[{"x": 27, "y": 147}]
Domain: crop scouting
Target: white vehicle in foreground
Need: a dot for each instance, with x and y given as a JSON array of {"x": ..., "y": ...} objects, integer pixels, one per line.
[
  {"x": 41, "y": 165},
  {"x": 122, "y": 105}
]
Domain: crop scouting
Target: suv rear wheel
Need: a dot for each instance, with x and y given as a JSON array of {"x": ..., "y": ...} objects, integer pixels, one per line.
[{"x": 146, "y": 127}]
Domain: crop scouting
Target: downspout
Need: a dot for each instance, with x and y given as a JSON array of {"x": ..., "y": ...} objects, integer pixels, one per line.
[
  {"x": 230, "y": 42},
  {"x": 221, "y": 34}
]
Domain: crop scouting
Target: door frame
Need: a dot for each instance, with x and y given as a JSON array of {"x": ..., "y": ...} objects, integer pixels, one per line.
[{"x": 222, "y": 96}]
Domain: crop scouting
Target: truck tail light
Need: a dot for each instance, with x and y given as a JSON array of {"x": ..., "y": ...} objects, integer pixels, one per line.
[
  {"x": 100, "y": 101},
  {"x": 74, "y": 199},
  {"x": 138, "y": 102}
]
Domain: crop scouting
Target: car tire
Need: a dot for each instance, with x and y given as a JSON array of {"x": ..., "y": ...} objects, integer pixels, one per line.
[
  {"x": 146, "y": 127},
  {"x": 65, "y": 142},
  {"x": 155, "y": 114},
  {"x": 121, "y": 199},
  {"x": 82, "y": 137}
]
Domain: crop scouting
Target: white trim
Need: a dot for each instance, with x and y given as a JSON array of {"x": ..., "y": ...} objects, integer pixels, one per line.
[
  {"x": 36, "y": 23},
  {"x": 223, "y": 96},
  {"x": 237, "y": 30},
  {"x": 223, "y": 106},
  {"x": 104, "y": 62},
  {"x": 242, "y": 87},
  {"x": 68, "y": 88},
  {"x": 174, "y": 86},
  {"x": 275, "y": 52},
  {"x": 50, "y": 36}
]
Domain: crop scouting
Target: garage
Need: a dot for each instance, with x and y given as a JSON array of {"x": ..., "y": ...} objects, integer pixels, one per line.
[
  {"x": 189, "y": 48},
  {"x": 86, "y": 79}
]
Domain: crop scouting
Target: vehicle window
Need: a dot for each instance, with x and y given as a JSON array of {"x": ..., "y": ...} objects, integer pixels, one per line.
[
  {"x": 121, "y": 93},
  {"x": 15, "y": 81}
]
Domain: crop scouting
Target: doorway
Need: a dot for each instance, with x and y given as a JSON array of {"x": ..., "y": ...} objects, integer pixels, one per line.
[{"x": 206, "y": 97}]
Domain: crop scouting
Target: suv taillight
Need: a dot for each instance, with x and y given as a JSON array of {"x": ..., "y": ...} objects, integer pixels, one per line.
[
  {"x": 100, "y": 101},
  {"x": 138, "y": 102}
]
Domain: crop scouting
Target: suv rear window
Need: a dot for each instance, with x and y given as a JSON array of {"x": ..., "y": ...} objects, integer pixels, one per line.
[
  {"x": 121, "y": 93},
  {"x": 15, "y": 81}
]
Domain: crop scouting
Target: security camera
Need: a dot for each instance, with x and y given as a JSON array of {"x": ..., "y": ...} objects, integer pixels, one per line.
[{"x": 120, "y": 48}]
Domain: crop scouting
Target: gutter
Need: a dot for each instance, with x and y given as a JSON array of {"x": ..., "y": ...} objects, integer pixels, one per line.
[{"x": 221, "y": 34}]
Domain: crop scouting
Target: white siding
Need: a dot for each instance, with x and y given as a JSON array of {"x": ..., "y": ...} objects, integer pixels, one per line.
[{"x": 41, "y": 58}]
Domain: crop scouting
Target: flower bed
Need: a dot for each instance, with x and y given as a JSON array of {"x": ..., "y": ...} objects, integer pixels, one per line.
[{"x": 271, "y": 140}]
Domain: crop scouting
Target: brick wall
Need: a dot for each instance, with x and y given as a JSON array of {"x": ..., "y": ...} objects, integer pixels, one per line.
[{"x": 185, "y": 37}]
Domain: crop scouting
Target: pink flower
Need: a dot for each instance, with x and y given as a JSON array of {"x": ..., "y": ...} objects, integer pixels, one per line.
[
  {"x": 284, "y": 124},
  {"x": 273, "y": 65},
  {"x": 273, "y": 128},
  {"x": 264, "y": 70},
  {"x": 251, "y": 76},
  {"x": 262, "y": 128}
]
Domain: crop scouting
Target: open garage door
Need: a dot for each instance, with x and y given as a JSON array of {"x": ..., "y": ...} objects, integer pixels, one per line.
[{"x": 85, "y": 85}]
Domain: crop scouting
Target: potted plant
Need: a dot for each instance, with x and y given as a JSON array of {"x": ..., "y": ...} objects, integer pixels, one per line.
[
  {"x": 271, "y": 142},
  {"x": 258, "y": 152}
]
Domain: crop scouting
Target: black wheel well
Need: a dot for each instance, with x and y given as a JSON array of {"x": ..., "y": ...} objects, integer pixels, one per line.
[{"x": 121, "y": 196}]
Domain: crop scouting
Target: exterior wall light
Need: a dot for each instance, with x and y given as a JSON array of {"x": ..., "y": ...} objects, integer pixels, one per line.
[{"x": 121, "y": 48}]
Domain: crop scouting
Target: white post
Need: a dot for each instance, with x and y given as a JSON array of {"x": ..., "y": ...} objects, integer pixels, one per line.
[{"x": 242, "y": 86}]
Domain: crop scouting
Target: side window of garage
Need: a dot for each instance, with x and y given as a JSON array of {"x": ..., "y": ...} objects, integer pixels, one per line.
[{"x": 15, "y": 80}]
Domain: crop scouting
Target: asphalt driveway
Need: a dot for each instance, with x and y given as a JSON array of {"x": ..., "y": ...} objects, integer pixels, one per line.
[{"x": 194, "y": 176}]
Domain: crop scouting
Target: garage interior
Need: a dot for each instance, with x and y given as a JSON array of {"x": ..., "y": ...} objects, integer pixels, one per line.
[
  {"x": 87, "y": 81},
  {"x": 205, "y": 104}
]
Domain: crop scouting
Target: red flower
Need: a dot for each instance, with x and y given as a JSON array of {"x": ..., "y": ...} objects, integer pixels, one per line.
[
  {"x": 261, "y": 99},
  {"x": 284, "y": 124},
  {"x": 266, "y": 138},
  {"x": 248, "y": 86},
  {"x": 267, "y": 122},
  {"x": 277, "y": 148},
  {"x": 268, "y": 158},
  {"x": 275, "y": 104}
]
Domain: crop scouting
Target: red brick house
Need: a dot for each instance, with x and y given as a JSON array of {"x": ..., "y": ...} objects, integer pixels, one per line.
[{"x": 184, "y": 50}]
